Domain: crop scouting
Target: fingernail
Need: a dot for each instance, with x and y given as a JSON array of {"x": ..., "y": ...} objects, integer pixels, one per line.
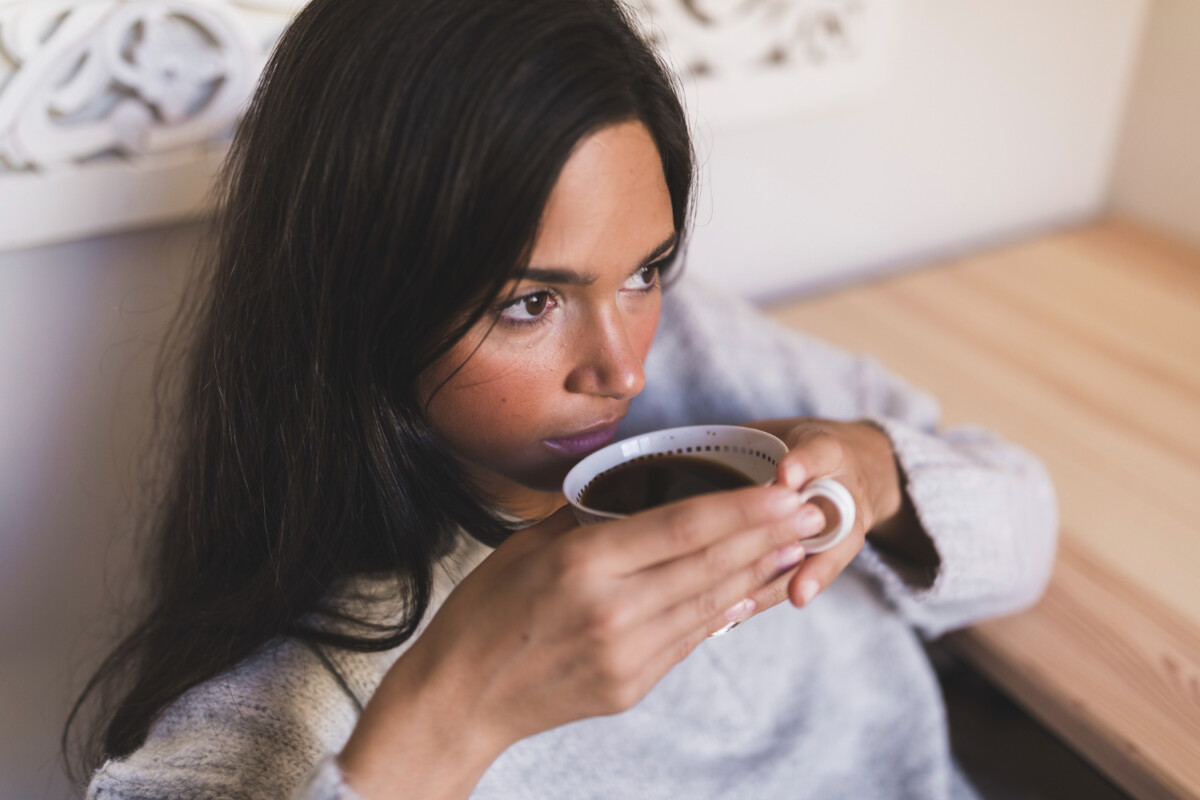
[
  {"x": 790, "y": 556},
  {"x": 740, "y": 610},
  {"x": 785, "y": 501},
  {"x": 794, "y": 475},
  {"x": 808, "y": 590},
  {"x": 810, "y": 521}
]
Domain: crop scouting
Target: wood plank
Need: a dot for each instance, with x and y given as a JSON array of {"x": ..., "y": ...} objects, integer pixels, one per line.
[
  {"x": 1083, "y": 347},
  {"x": 1115, "y": 333},
  {"x": 1115, "y": 285},
  {"x": 1158, "y": 255},
  {"x": 1140, "y": 485},
  {"x": 1119, "y": 679},
  {"x": 1160, "y": 410}
]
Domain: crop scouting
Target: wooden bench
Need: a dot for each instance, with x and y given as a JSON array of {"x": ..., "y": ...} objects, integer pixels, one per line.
[{"x": 1084, "y": 347}]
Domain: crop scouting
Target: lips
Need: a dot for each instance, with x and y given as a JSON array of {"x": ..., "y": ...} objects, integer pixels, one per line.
[{"x": 585, "y": 442}]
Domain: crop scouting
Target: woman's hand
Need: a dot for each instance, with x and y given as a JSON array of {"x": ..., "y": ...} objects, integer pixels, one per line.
[
  {"x": 858, "y": 455},
  {"x": 561, "y": 623}
]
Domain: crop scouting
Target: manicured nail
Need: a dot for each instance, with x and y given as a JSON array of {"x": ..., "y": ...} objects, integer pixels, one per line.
[
  {"x": 789, "y": 556},
  {"x": 810, "y": 521},
  {"x": 741, "y": 610},
  {"x": 808, "y": 590},
  {"x": 785, "y": 501},
  {"x": 794, "y": 475}
]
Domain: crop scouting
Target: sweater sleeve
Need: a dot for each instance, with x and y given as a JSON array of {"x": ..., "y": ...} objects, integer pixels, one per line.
[
  {"x": 987, "y": 505},
  {"x": 269, "y": 728}
]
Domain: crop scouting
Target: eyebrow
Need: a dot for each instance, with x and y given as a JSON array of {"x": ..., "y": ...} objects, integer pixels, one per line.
[{"x": 568, "y": 277}]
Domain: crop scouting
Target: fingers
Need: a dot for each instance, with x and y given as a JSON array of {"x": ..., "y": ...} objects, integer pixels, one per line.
[
  {"x": 775, "y": 591},
  {"x": 763, "y": 552},
  {"x": 695, "y": 630},
  {"x": 730, "y": 600},
  {"x": 684, "y": 619},
  {"x": 813, "y": 451},
  {"x": 820, "y": 570},
  {"x": 664, "y": 534}
]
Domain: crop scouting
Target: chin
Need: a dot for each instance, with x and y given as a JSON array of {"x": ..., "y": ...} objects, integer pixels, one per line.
[{"x": 548, "y": 478}]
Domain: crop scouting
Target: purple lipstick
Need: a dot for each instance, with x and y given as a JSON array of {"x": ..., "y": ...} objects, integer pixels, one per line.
[{"x": 583, "y": 443}]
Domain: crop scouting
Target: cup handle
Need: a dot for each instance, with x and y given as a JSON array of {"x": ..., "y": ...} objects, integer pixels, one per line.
[{"x": 842, "y": 500}]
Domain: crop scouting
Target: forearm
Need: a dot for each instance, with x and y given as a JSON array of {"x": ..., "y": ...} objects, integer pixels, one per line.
[{"x": 417, "y": 737}]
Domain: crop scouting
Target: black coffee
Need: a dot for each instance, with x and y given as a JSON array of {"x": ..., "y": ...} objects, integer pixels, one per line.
[{"x": 639, "y": 485}]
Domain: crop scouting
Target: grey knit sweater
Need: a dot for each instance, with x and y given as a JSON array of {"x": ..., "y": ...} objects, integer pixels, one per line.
[{"x": 836, "y": 700}]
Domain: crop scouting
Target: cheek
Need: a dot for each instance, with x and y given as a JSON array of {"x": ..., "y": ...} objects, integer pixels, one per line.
[
  {"x": 493, "y": 409},
  {"x": 491, "y": 402}
]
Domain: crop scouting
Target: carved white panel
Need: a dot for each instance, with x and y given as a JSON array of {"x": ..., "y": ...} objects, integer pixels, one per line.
[
  {"x": 749, "y": 61},
  {"x": 116, "y": 112}
]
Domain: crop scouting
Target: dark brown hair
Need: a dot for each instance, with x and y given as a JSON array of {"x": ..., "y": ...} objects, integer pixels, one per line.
[{"x": 384, "y": 186}]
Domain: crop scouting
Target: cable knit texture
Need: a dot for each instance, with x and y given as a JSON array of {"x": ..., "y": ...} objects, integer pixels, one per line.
[{"x": 835, "y": 700}]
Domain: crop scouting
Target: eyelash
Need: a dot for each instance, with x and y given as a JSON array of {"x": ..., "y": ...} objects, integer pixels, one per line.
[{"x": 554, "y": 297}]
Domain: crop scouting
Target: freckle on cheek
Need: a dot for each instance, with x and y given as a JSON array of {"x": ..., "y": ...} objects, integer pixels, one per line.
[{"x": 503, "y": 399}]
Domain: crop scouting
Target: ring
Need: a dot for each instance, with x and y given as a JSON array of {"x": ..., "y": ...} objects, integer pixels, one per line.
[{"x": 724, "y": 630}]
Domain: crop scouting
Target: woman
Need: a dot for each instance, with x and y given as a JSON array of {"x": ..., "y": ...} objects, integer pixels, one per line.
[{"x": 438, "y": 283}]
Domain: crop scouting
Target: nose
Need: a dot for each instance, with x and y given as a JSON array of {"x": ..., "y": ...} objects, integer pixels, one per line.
[{"x": 607, "y": 364}]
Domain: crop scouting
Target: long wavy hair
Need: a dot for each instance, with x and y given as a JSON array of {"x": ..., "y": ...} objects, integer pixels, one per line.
[{"x": 386, "y": 183}]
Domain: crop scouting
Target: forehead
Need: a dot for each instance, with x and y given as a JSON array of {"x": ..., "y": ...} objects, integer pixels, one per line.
[{"x": 610, "y": 205}]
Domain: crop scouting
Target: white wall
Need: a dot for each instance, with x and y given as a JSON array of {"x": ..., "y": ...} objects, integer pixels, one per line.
[
  {"x": 996, "y": 117},
  {"x": 1157, "y": 178},
  {"x": 78, "y": 328}
]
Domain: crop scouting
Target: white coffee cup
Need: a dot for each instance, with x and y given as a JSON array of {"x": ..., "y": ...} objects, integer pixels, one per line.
[{"x": 752, "y": 452}]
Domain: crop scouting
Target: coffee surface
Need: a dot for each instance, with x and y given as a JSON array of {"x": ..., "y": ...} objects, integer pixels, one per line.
[{"x": 639, "y": 485}]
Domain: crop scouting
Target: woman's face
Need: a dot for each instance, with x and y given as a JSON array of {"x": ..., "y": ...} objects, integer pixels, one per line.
[{"x": 555, "y": 373}]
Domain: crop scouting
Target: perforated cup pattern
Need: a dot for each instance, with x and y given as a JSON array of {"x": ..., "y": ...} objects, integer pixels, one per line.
[{"x": 752, "y": 452}]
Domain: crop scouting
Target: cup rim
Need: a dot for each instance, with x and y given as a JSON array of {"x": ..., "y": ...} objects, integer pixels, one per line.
[{"x": 768, "y": 440}]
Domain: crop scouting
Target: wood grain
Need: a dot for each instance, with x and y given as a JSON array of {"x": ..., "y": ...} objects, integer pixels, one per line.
[{"x": 1083, "y": 347}]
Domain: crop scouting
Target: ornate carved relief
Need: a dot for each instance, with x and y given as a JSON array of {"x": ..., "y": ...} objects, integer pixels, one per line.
[
  {"x": 723, "y": 38},
  {"x": 746, "y": 61},
  {"x": 133, "y": 98},
  {"x": 122, "y": 78}
]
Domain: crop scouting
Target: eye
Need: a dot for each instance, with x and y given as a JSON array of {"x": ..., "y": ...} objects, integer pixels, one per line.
[
  {"x": 527, "y": 309},
  {"x": 644, "y": 279}
]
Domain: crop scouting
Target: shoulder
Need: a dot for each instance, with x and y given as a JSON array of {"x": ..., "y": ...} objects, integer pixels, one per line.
[
  {"x": 701, "y": 321},
  {"x": 693, "y": 307},
  {"x": 717, "y": 358},
  {"x": 255, "y": 731}
]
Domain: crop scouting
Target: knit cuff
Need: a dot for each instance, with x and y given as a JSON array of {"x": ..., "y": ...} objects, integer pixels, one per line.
[
  {"x": 963, "y": 504},
  {"x": 913, "y": 451}
]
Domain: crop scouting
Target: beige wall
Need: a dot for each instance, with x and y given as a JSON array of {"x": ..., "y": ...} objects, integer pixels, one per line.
[
  {"x": 1157, "y": 175},
  {"x": 995, "y": 118},
  {"x": 79, "y": 326}
]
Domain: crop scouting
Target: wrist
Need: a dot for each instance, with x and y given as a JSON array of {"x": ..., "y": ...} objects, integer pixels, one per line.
[
  {"x": 896, "y": 529},
  {"x": 418, "y": 736},
  {"x": 884, "y": 476}
]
